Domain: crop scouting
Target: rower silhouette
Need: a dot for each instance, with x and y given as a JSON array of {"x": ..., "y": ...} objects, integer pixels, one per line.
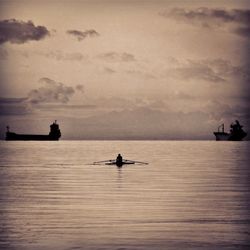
[{"x": 119, "y": 160}]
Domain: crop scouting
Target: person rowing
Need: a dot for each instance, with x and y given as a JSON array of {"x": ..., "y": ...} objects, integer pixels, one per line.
[{"x": 119, "y": 162}]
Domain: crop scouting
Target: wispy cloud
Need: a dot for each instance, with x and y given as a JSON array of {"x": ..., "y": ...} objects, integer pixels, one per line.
[
  {"x": 58, "y": 55},
  {"x": 109, "y": 70},
  {"x": 81, "y": 35},
  {"x": 217, "y": 70},
  {"x": 235, "y": 20},
  {"x": 62, "y": 56},
  {"x": 140, "y": 74},
  {"x": 80, "y": 87},
  {"x": 4, "y": 100},
  {"x": 63, "y": 107},
  {"x": 117, "y": 57},
  {"x": 14, "y": 110},
  {"x": 19, "y": 32},
  {"x": 13, "y": 106}
]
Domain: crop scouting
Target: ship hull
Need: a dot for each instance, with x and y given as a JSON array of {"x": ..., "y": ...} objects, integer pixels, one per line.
[
  {"x": 222, "y": 136},
  {"x": 21, "y": 137}
]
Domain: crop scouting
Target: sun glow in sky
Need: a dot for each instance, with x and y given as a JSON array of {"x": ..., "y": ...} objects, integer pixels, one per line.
[{"x": 124, "y": 69}]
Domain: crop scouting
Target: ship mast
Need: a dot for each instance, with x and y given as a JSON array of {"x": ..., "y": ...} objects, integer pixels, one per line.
[{"x": 221, "y": 126}]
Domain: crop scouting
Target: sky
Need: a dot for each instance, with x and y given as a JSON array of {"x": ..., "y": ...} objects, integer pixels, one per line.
[{"x": 124, "y": 69}]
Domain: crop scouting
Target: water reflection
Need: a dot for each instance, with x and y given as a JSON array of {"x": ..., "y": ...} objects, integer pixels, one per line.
[{"x": 119, "y": 177}]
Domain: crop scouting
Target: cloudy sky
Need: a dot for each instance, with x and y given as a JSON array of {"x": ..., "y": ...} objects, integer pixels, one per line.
[{"x": 124, "y": 69}]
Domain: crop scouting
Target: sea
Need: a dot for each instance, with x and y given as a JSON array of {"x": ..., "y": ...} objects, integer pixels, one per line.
[{"x": 190, "y": 195}]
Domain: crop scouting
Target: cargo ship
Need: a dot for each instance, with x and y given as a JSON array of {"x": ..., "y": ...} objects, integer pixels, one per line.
[
  {"x": 53, "y": 135},
  {"x": 236, "y": 133}
]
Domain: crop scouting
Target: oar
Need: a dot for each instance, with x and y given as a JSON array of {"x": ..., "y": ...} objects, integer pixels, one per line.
[
  {"x": 141, "y": 162},
  {"x": 96, "y": 162}
]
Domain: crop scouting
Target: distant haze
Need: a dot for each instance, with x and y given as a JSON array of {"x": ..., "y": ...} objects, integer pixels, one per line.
[{"x": 124, "y": 69}]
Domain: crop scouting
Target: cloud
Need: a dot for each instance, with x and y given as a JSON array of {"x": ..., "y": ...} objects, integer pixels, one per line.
[
  {"x": 63, "y": 107},
  {"x": 117, "y": 57},
  {"x": 140, "y": 73},
  {"x": 113, "y": 103},
  {"x": 61, "y": 56},
  {"x": 19, "y": 32},
  {"x": 81, "y": 35},
  {"x": 217, "y": 70},
  {"x": 13, "y": 106},
  {"x": 51, "y": 54},
  {"x": 4, "y": 100},
  {"x": 50, "y": 92},
  {"x": 13, "y": 109},
  {"x": 226, "y": 112},
  {"x": 51, "y": 95},
  {"x": 197, "y": 71},
  {"x": 80, "y": 88},
  {"x": 235, "y": 20},
  {"x": 109, "y": 70},
  {"x": 208, "y": 17}
]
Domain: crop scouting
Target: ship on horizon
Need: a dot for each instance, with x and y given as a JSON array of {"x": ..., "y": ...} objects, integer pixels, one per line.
[
  {"x": 53, "y": 135},
  {"x": 236, "y": 133}
]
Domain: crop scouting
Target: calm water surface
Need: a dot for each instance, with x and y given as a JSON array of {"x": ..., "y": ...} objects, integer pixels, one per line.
[{"x": 192, "y": 195}]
